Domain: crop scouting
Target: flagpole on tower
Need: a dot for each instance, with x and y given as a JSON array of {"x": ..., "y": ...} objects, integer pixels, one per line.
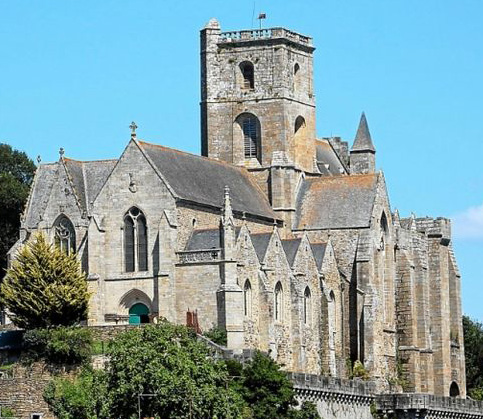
[{"x": 261, "y": 16}]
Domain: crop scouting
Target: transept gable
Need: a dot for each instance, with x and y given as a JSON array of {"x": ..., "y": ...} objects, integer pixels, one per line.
[{"x": 133, "y": 181}]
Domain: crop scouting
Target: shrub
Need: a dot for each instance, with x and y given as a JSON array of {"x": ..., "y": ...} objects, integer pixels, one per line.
[
  {"x": 6, "y": 412},
  {"x": 217, "y": 335},
  {"x": 45, "y": 287},
  {"x": 62, "y": 345},
  {"x": 359, "y": 371}
]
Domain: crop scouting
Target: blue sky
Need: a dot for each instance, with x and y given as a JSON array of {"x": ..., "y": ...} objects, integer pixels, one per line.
[{"x": 75, "y": 74}]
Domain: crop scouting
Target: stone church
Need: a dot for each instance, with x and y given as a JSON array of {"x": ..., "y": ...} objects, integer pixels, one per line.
[{"x": 285, "y": 240}]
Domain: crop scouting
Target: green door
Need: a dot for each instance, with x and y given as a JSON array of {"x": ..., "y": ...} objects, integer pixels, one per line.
[{"x": 138, "y": 313}]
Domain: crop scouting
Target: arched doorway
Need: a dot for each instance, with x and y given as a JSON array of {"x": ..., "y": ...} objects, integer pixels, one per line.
[
  {"x": 138, "y": 313},
  {"x": 454, "y": 390}
]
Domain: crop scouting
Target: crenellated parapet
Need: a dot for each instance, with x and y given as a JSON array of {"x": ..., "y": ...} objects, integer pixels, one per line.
[{"x": 428, "y": 406}]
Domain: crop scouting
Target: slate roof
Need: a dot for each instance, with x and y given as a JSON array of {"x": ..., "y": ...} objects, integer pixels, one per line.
[
  {"x": 202, "y": 180},
  {"x": 204, "y": 239},
  {"x": 326, "y": 156},
  {"x": 363, "y": 140},
  {"x": 319, "y": 252},
  {"x": 88, "y": 177},
  {"x": 336, "y": 202},
  {"x": 45, "y": 176},
  {"x": 291, "y": 247},
  {"x": 260, "y": 243}
]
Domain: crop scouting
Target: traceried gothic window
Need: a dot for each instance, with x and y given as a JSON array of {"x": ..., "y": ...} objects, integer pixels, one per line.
[
  {"x": 135, "y": 241},
  {"x": 307, "y": 306},
  {"x": 64, "y": 234},
  {"x": 248, "y": 73},
  {"x": 278, "y": 302},
  {"x": 251, "y": 132},
  {"x": 247, "y": 298}
]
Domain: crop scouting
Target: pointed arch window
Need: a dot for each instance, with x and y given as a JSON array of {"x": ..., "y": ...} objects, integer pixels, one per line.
[
  {"x": 278, "y": 302},
  {"x": 247, "y": 298},
  {"x": 248, "y": 73},
  {"x": 64, "y": 234},
  {"x": 135, "y": 241},
  {"x": 307, "y": 306}
]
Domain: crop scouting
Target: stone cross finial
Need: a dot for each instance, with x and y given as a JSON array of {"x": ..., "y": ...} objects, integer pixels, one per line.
[
  {"x": 61, "y": 152},
  {"x": 39, "y": 159},
  {"x": 133, "y": 127}
]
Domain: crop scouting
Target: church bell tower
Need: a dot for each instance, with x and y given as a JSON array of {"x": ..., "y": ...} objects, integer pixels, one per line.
[{"x": 257, "y": 100}]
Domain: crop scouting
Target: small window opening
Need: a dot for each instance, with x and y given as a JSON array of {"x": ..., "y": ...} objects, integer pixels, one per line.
[
  {"x": 454, "y": 390},
  {"x": 307, "y": 306},
  {"x": 248, "y": 75},
  {"x": 247, "y": 298},
  {"x": 299, "y": 123},
  {"x": 278, "y": 302}
]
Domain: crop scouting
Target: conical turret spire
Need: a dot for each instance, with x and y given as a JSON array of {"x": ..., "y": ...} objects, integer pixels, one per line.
[{"x": 363, "y": 141}]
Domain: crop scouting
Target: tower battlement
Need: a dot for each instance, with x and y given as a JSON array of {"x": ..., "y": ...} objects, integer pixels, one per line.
[{"x": 265, "y": 34}]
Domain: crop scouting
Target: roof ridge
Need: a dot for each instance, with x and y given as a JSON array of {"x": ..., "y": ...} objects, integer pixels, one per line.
[
  {"x": 223, "y": 163},
  {"x": 89, "y": 161}
]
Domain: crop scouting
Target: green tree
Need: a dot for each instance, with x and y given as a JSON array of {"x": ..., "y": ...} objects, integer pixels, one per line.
[
  {"x": 82, "y": 398},
  {"x": 473, "y": 338},
  {"x": 267, "y": 389},
  {"x": 178, "y": 371},
  {"x": 44, "y": 287},
  {"x": 16, "y": 174}
]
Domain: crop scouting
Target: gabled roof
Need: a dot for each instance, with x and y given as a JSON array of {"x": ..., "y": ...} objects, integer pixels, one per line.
[
  {"x": 319, "y": 252},
  {"x": 202, "y": 180},
  {"x": 291, "y": 247},
  {"x": 336, "y": 202},
  {"x": 260, "y": 243},
  {"x": 363, "y": 140},
  {"x": 327, "y": 160},
  {"x": 45, "y": 176},
  {"x": 88, "y": 177}
]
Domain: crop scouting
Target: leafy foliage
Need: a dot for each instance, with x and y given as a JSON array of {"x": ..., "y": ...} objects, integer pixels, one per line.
[
  {"x": 82, "y": 398},
  {"x": 473, "y": 339},
  {"x": 180, "y": 379},
  {"x": 359, "y": 370},
  {"x": 6, "y": 412},
  {"x": 62, "y": 345},
  {"x": 307, "y": 411},
  {"x": 217, "y": 335},
  {"x": 44, "y": 287},
  {"x": 169, "y": 362},
  {"x": 16, "y": 174},
  {"x": 267, "y": 389}
]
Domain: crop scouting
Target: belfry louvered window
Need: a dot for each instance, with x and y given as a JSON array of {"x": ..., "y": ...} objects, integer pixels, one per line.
[
  {"x": 135, "y": 241},
  {"x": 251, "y": 136}
]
